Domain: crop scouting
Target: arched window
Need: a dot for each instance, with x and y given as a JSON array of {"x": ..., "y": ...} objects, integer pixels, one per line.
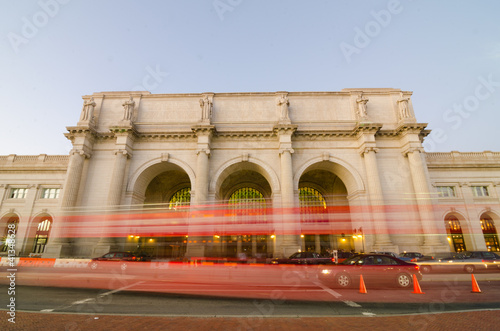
[
  {"x": 490, "y": 233},
  {"x": 248, "y": 201},
  {"x": 12, "y": 222},
  {"x": 456, "y": 234},
  {"x": 312, "y": 203},
  {"x": 246, "y": 195},
  {"x": 180, "y": 198},
  {"x": 41, "y": 236}
]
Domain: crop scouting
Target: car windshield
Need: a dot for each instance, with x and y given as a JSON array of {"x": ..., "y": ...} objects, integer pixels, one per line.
[
  {"x": 449, "y": 256},
  {"x": 352, "y": 260}
]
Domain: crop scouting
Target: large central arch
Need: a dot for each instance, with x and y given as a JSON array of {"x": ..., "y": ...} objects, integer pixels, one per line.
[{"x": 347, "y": 173}]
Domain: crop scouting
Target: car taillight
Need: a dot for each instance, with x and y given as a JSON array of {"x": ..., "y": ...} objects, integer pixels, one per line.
[
  {"x": 133, "y": 257},
  {"x": 417, "y": 267},
  {"x": 333, "y": 260}
]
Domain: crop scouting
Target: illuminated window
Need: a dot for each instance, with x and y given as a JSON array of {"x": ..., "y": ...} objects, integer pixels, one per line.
[
  {"x": 10, "y": 228},
  {"x": 480, "y": 191},
  {"x": 246, "y": 195},
  {"x": 50, "y": 193},
  {"x": 446, "y": 191},
  {"x": 18, "y": 193},
  {"x": 311, "y": 200},
  {"x": 490, "y": 233},
  {"x": 41, "y": 236},
  {"x": 180, "y": 198}
]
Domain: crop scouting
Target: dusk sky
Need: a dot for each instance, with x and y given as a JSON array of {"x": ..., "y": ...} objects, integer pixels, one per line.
[{"x": 54, "y": 51}]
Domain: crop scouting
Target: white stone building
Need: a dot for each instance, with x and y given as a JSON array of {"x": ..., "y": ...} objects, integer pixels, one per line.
[{"x": 264, "y": 174}]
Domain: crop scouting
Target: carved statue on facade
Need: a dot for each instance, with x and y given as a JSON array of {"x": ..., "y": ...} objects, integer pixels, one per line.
[
  {"x": 128, "y": 108},
  {"x": 206, "y": 108},
  {"x": 88, "y": 110},
  {"x": 404, "y": 111},
  {"x": 283, "y": 103},
  {"x": 361, "y": 101}
]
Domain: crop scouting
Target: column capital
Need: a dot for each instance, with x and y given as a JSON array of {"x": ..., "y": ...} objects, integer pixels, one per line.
[
  {"x": 368, "y": 149},
  {"x": 462, "y": 184},
  {"x": 413, "y": 150},
  {"x": 80, "y": 152},
  {"x": 122, "y": 151},
  {"x": 283, "y": 150},
  {"x": 203, "y": 150}
]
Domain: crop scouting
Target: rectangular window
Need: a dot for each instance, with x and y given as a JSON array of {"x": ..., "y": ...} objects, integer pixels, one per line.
[
  {"x": 446, "y": 191},
  {"x": 480, "y": 191},
  {"x": 50, "y": 193},
  {"x": 18, "y": 193}
]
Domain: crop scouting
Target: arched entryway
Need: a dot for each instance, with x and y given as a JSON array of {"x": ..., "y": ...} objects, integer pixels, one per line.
[
  {"x": 455, "y": 234},
  {"x": 41, "y": 226},
  {"x": 9, "y": 225},
  {"x": 489, "y": 232},
  {"x": 244, "y": 192},
  {"x": 324, "y": 209},
  {"x": 163, "y": 189}
]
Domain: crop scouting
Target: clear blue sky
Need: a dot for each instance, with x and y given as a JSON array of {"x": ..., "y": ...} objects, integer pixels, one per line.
[{"x": 54, "y": 51}]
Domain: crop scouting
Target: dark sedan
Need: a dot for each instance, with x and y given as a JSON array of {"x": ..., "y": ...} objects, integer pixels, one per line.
[
  {"x": 116, "y": 258},
  {"x": 376, "y": 269},
  {"x": 305, "y": 258}
]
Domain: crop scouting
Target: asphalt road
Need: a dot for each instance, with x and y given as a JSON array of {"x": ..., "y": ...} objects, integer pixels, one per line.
[{"x": 164, "y": 297}]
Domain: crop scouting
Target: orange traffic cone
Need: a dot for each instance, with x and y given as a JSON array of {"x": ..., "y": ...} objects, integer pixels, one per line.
[
  {"x": 362, "y": 287},
  {"x": 475, "y": 287},
  {"x": 416, "y": 286}
]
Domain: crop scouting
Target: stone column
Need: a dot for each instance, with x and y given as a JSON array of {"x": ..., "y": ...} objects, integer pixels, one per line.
[
  {"x": 286, "y": 178},
  {"x": 423, "y": 199},
  {"x": 471, "y": 226},
  {"x": 204, "y": 133},
  {"x": 382, "y": 238},
  {"x": 57, "y": 245},
  {"x": 116, "y": 186},
  {"x": 201, "y": 186},
  {"x": 289, "y": 242}
]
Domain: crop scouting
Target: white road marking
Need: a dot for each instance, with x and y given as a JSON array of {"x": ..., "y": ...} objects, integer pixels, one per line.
[
  {"x": 121, "y": 288},
  {"x": 79, "y": 302},
  {"x": 351, "y": 304},
  {"x": 328, "y": 290},
  {"x": 337, "y": 295},
  {"x": 368, "y": 314},
  {"x": 46, "y": 310}
]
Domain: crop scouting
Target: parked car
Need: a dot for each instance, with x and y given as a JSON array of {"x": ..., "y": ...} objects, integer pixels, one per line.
[
  {"x": 458, "y": 262},
  {"x": 121, "y": 258},
  {"x": 305, "y": 258},
  {"x": 386, "y": 253},
  {"x": 414, "y": 256},
  {"x": 485, "y": 255},
  {"x": 376, "y": 269},
  {"x": 445, "y": 263},
  {"x": 490, "y": 259}
]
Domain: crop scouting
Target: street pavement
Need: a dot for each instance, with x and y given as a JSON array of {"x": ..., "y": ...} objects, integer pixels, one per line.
[{"x": 477, "y": 320}]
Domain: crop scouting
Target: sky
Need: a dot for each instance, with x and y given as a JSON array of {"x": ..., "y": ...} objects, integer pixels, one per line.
[{"x": 52, "y": 52}]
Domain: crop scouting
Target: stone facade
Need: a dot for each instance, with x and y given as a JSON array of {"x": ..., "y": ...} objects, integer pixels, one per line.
[{"x": 360, "y": 150}]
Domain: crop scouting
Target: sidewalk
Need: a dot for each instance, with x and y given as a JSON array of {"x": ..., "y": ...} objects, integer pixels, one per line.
[{"x": 478, "y": 320}]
